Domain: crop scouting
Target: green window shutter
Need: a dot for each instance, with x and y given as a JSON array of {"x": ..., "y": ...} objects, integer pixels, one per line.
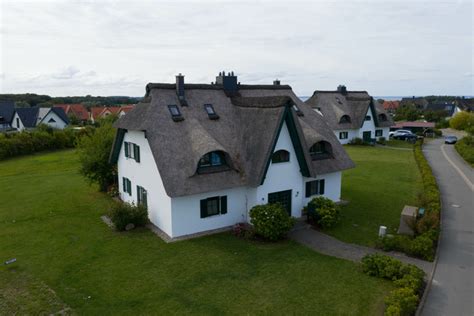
[
  {"x": 137, "y": 153},
  {"x": 321, "y": 187},
  {"x": 126, "y": 149},
  {"x": 138, "y": 195},
  {"x": 203, "y": 208},
  {"x": 308, "y": 189},
  {"x": 145, "y": 197},
  {"x": 129, "y": 187},
  {"x": 223, "y": 204},
  {"x": 124, "y": 184}
]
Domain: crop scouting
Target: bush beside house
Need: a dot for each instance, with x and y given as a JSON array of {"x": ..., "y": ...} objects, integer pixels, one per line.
[
  {"x": 406, "y": 277},
  {"x": 322, "y": 212},
  {"x": 123, "y": 214},
  {"x": 271, "y": 221}
]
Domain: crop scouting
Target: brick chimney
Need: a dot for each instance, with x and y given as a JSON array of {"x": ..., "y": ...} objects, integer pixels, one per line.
[
  {"x": 342, "y": 89},
  {"x": 228, "y": 82}
]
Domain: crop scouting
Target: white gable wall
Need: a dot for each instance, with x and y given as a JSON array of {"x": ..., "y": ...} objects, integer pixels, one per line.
[
  {"x": 283, "y": 176},
  {"x": 59, "y": 124},
  {"x": 17, "y": 123},
  {"x": 145, "y": 174},
  {"x": 368, "y": 126}
]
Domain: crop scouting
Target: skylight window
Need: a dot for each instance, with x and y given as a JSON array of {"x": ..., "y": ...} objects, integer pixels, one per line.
[
  {"x": 175, "y": 113},
  {"x": 338, "y": 100},
  {"x": 297, "y": 110},
  {"x": 210, "y": 111}
]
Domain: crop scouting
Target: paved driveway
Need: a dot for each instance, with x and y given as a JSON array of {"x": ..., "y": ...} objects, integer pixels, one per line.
[{"x": 452, "y": 292}]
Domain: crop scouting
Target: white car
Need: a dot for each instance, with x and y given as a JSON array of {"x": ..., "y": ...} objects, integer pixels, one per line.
[{"x": 398, "y": 132}]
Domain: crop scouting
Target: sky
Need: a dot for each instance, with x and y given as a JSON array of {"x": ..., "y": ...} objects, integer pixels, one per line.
[{"x": 389, "y": 48}]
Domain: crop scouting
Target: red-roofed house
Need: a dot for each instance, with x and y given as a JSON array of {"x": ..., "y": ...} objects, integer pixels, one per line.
[
  {"x": 391, "y": 106},
  {"x": 78, "y": 111},
  {"x": 124, "y": 109}
]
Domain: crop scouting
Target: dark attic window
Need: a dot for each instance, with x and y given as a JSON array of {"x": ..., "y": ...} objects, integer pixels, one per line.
[
  {"x": 210, "y": 111},
  {"x": 214, "y": 161},
  {"x": 175, "y": 113},
  {"x": 320, "y": 150},
  {"x": 297, "y": 110}
]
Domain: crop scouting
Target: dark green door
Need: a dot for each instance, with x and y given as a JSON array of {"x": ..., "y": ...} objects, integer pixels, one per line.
[
  {"x": 282, "y": 197},
  {"x": 367, "y": 136}
]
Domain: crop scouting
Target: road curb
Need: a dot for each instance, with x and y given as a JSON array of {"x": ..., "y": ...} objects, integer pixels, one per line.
[{"x": 429, "y": 282}]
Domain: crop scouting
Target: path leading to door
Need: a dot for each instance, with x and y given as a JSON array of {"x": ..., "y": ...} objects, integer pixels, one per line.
[
  {"x": 330, "y": 246},
  {"x": 452, "y": 288}
]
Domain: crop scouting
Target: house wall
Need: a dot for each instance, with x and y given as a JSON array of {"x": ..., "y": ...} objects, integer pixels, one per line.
[
  {"x": 59, "y": 124},
  {"x": 186, "y": 215},
  {"x": 146, "y": 174},
  {"x": 368, "y": 126},
  {"x": 351, "y": 134},
  {"x": 17, "y": 123}
]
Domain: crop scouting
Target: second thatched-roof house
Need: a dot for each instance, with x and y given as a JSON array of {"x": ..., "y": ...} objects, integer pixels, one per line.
[{"x": 351, "y": 114}]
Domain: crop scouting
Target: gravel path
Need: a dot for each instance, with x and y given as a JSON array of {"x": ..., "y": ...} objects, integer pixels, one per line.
[{"x": 330, "y": 246}]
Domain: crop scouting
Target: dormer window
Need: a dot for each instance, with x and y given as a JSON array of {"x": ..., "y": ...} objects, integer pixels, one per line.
[
  {"x": 297, "y": 110},
  {"x": 214, "y": 161},
  {"x": 210, "y": 111},
  {"x": 320, "y": 150},
  {"x": 280, "y": 156},
  {"x": 345, "y": 119},
  {"x": 382, "y": 117},
  {"x": 175, "y": 113}
]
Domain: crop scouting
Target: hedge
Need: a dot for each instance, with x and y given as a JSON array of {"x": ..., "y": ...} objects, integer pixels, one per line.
[
  {"x": 41, "y": 139},
  {"x": 406, "y": 277},
  {"x": 465, "y": 148},
  {"x": 424, "y": 243}
]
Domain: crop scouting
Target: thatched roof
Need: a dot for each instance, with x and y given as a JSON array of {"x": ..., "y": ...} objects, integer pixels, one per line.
[
  {"x": 355, "y": 104},
  {"x": 246, "y": 131}
]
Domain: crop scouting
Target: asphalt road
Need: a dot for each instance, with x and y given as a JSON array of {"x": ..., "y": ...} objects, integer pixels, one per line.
[{"x": 452, "y": 289}]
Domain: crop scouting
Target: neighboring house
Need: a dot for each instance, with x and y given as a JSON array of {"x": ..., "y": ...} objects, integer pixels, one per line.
[
  {"x": 77, "y": 111},
  {"x": 448, "y": 107},
  {"x": 124, "y": 109},
  {"x": 98, "y": 112},
  {"x": 415, "y": 126},
  {"x": 391, "y": 106},
  {"x": 464, "y": 104},
  {"x": 418, "y": 102},
  {"x": 351, "y": 114},
  {"x": 200, "y": 156},
  {"x": 7, "y": 110},
  {"x": 29, "y": 118}
]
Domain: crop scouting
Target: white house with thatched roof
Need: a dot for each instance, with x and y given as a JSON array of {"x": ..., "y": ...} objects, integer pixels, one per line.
[
  {"x": 352, "y": 114},
  {"x": 202, "y": 155}
]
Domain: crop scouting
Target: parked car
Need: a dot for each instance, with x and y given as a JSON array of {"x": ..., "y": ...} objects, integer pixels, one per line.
[
  {"x": 409, "y": 137},
  {"x": 450, "y": 139},
  {"x": 399, "y": 131}
]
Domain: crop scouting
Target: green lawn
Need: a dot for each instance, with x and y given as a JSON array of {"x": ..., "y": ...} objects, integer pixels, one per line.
[
  {"x": 68, "y": 258},
  {"x": 399, "y": 143},
  {"x": 383, "y": 181}
]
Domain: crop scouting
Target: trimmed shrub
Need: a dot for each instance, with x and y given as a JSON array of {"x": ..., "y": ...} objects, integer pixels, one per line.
[
  {"x": 123, "y": 213},
  {"x": 382, "y": 140},
  {"x": 402, "y": 301},
  {"x": 406, "y": 277},
  {"x": 323, "y": 211},
  {"x": 422, "y": 246},
  {"x": 465, "y": 148},
  {"x": 271, "y": 221},
  {"x": 358, "y": 141}
]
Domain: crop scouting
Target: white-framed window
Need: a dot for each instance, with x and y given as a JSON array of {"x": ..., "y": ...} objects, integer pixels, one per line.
[
  {"x": 315, "y": 187},
  {"x": 378, "y": 132},
  {"x": 213, "y": 206},
  {"x": 142, "y": 196},
  {"x": 127, "y": 185},
  {"x": 132, "y": 151}
]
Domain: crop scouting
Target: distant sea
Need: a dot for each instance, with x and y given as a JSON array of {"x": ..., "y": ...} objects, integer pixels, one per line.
[{"x": 387, "y": 98}]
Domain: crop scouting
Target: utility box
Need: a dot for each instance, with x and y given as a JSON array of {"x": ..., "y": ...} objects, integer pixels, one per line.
[{"x": 407, "y": 220}]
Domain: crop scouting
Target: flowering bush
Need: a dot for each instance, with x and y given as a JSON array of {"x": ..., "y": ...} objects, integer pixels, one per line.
[{"x": 271, "y": 221}]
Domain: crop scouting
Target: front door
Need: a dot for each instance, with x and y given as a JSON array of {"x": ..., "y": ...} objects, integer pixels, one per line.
[
  {"x": 282, "y": 197},
  {"x": 367, "y": 136}
]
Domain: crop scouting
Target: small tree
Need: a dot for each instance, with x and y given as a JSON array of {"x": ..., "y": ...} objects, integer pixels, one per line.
[
  {"x": 462, "y": 121},
  {"x": 94, "y": 150}
]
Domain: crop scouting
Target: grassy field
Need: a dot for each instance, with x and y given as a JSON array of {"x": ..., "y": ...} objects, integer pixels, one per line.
[
  {"x": 68, "y": 260},
  {"x": 383, "y": 181},
  {"x": 399, "y": 143}
]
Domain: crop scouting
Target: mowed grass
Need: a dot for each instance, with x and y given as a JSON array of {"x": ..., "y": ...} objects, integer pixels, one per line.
[
  {"x": 68, "y": 258},
  {"x": 383, "y": 181}
]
